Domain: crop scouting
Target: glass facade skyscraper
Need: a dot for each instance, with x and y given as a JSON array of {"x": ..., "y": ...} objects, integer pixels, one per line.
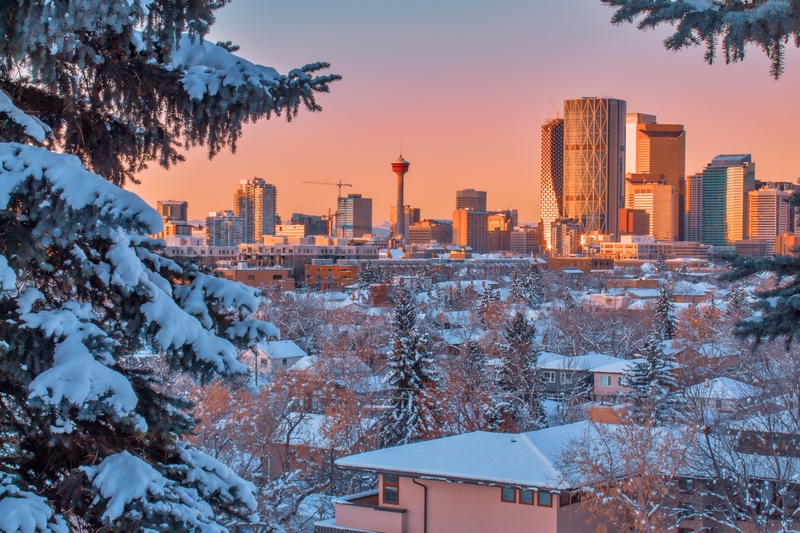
[
  {"x": 594, "y": 163},
  {"x": 354, "y": 217},
  {"x": 727, "y": 180},
  {"x": 552, "y": 175}
]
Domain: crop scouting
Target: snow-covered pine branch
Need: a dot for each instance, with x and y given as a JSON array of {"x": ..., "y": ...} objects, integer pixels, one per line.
[
  {"x": 83, "y": 291},
  {"x": 731, "y": 25}
]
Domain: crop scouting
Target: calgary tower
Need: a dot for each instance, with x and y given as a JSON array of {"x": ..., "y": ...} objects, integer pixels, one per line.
[{"x": 400, "y": 167}]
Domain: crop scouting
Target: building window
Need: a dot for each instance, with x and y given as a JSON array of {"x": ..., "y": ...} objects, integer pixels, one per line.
[
  {"x": 508, "y": 495},
  {"x": 605, "y": 381},
  {"x": 391, "y": 489},
  {"x": 277, "y": 276},
  {"x": 284, "y": 362},
  {"x": 622, "y": 382},
  {"x": 545, "y": 498},
  {"x": 549, "y": 376},
  {"x": 526, "y": 497},
  {"x": 250, "y": 277},
  {"x": 566, "y": 377}
]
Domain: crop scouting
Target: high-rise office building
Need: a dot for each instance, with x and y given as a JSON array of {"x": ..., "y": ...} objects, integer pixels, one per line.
[
  {"x": 471, "y": 199},
  {"x": 173, "y": 209},
  {"x": 223, "y": 228},
  {"x": 256, "y": 201},
  {"x": 632, "y": 121},
  {"x": 500, "y": 224},
  {"x": 658, "y": 200},
  {"x": 552, "y": 175},
  {"x": 565, "y": 234},
  {"x": 727, "y": 180},
  {"x": 768, "y": 215},
  {"x": 694, "y": 209},
  {"x": 594, "y": 163},
  {"x": 470, "y": 228},
  {"x": 660, "y": 150},
  {"x": 634, "y": 222},
  {"x": 526, "y": 240},
  {"x": 355, "y": 217}
]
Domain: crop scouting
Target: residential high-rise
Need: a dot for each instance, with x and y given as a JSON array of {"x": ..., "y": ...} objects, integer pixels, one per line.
[
  {"x": 552, "y": 175},
  {"x": 726, "y": 182},
  {"x": 355, "y": 217},
  {"x": 658, "y": 200},
  {"x": 471, "y": 199},
  {"x": 256, "y": 201},
  {"x": 565, "y": 234},
  {"x": 411, "y": 215},
  {"x": 694, "y": 209},
  {"x": 173, "y": 209},
  {"x": 470, "y": 228},
  {"x": 660, "y": 150},
  {"x": 594, "y": 163},
  {"x": 768, "y": 215},
  {"x": 223, "y": 228},
  {"x": 399, "y": 167}
]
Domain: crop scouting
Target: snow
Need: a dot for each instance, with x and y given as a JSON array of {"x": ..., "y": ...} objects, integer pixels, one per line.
[
  {"x": 309, "y": 429},
  {"x": 523, "y": 460},
  {"x": 210, "y": 67},
  {"x": 589, "y": 362},
  {"x": 722, "y": 388},
  {"x": 8, "y": 278},
  {"x": 77, "y": 186},
  {"x": 32, "y": 126},
  {"x": 281, "y": 349},
  {"x": 24, "y": 512}
]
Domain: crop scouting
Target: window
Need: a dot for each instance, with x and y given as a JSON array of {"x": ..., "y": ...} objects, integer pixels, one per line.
[
  {"x": 566, "y": 377},
  {"x": 526, "y": 497},
  {"x": 251, "y": 277},
  {"x": 549, "y": 376},
  {"x": 508, "y": 495},
  {"x": 284, "y": 362},
  {"x": 545, "y": 498},
  {"x": 605, "y": 381},
  {"x": 277, "y": 276},
  {"x": 685, "y": 485},
  {"x": 391, "y": 489},
  {"x": 622, "y": 382}
]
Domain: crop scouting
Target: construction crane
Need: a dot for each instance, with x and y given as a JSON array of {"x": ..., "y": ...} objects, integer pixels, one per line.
[
  {"x": 340, "y": 185},
  {"x": 554, "y": 108}
]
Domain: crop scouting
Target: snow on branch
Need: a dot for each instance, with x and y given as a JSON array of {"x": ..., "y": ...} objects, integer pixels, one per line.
[
  {"x": 33, "y": 127},
  {"x": 25, "y": 512}
]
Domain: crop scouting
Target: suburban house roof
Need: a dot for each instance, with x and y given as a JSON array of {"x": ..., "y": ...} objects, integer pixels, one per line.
[
  {"x": 723, "y": 389},
  {"x": 516, "y": 459},
  {"x": 281, "y": 349},
  {"x": 589, "y": 362}
]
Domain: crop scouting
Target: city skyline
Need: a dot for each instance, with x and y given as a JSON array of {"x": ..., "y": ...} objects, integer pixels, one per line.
[{"x": 453, "y": 138}]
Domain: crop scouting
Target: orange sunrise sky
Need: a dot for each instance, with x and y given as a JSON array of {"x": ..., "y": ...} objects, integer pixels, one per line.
[{"x": 463, "y": 87}]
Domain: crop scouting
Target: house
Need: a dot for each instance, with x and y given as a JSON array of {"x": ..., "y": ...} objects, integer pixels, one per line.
[
  {"x": 475, "y": 482},
  {"x": 564, "y": 376},
  {"x": 721, "y": 395},
  {"x": 455, "y": 319},
  {"x": 274, "y": 356}
]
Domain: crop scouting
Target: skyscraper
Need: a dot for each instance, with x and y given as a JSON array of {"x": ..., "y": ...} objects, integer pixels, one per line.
[
  {"x": 471, "y": 199},
  {"x": 768, "y": 215},
  {"x": 223, "y": 228},
  {"x": 256, "y": 201},
  {"x": 657, "y": 199},
  {"x": 726, "y": 182},
  {"x": 632, "y": 121},
  {"x": 355, "y": 217},
  {"x": 694, "y": 208},
  {"x": 594, "y": 163},
  {"x": 552, "y": 175},
  {"x": 470, "y": 228},
  {"x": 565, "y": 233},
  {"x": 660, "y": 150},
  {"x": 173, "y": 209}
]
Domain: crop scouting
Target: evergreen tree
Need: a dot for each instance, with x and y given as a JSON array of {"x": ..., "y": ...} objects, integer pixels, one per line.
[
  {"x": 567, "y": 300},
  {"x": 123, "y": 83},
  {"x": 515, "y": 293},
  {"x": 92, "y": 438},
  {"x": 737, "y": 300},
  {"x": 488, "y": 298},
  {"x": 518, "y": 404},
  {"x": 411, "y": 378},
  {"x": 661, "y": 263},
  {"x": 367, "y": 275},
  {"x": 766, "y": 24},
  {"x": 665, "y": 320},
  {"x": 653, "y": 381},
  {"x": 684, "y": 269}
]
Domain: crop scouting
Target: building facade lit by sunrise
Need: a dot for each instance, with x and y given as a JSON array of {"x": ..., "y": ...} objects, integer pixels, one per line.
[
  {"x": 660, "y": 151},
  {"x": 594, "y": 163},
  {"x": 471, "y": 228},
  {"x": 727, "y": 180},
  {"x": 355, "y": 216},
  {"x": 693, "y": 217},
  {"x": 257, "y": 202},
  {"x": 768, "y": 215},
  {"x": 552, "y": 175},
  {"x": 471, "y": 199}
]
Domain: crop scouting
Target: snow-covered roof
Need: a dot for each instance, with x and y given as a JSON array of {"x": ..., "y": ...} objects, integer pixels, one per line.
[
  {"x": 458, "y": 336},
  {"x": 644, "y": 294},
  {"x": 281, "y": 349},
  {"x": 523, "y": 460},
  {"x": 458, "y": 318},
  {"x": 722, "y": 388},
  {"x": 571, "y": 271},
  {"x": 589, "y": 362},
  {"x": 619, "y": 367},
  {"x": 309, "y": 429}
]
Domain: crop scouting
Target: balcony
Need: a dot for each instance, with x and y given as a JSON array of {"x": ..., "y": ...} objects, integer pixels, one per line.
[{"x": 360, "y": 513}]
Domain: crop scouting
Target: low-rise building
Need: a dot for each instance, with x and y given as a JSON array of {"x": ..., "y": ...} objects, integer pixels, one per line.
[
  {"x": 257, "y": 277},
  {"x": 195, "y": 250}
]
